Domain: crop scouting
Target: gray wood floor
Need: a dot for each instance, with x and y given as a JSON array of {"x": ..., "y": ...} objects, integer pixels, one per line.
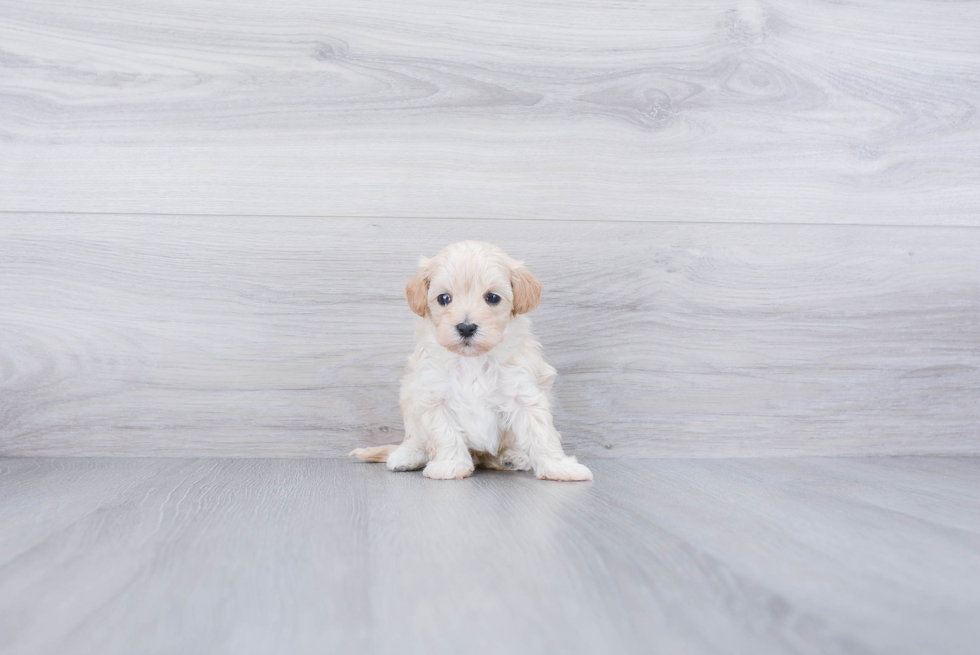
[{"x": 824, "y": 555}]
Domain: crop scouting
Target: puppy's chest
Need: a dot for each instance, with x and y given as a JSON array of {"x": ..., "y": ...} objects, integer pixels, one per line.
[{"x": 474, "y": 398}]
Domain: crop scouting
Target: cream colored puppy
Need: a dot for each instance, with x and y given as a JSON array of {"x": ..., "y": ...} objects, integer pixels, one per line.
[{"x": 478, "y": 390}]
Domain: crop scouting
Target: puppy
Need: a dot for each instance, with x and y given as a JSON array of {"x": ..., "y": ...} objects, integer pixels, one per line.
[{"x": 477, "y": 390}]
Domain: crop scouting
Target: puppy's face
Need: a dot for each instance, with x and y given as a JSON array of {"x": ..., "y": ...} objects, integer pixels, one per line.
[{"x": 469, "y": 292}]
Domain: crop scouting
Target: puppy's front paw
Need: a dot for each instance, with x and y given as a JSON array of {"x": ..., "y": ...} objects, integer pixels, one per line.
[
  {"x": 448, "y": 469},
  {"x": 564, "y": 470}
]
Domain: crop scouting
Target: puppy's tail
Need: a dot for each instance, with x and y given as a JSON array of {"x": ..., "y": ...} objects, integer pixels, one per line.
[{"x": 373, "y": 453}]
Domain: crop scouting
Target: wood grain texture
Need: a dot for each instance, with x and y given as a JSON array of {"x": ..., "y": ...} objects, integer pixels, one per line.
[
  {"x": 715, "y": 110},
  {"x": 180, "y": 556},
  {"x": 309, "y": 556},
  {"x": 288, "y": 337}
]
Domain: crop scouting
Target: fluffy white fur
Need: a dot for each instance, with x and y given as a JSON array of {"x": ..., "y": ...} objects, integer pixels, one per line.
[{"x": 483, "y": 400}]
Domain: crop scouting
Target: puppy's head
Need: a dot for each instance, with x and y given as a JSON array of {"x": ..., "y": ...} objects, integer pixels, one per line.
[{"x": 469, "y": 292}]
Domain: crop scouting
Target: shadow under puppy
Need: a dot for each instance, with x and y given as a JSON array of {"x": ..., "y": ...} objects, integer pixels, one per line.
[{"x": 478, "y": 390}]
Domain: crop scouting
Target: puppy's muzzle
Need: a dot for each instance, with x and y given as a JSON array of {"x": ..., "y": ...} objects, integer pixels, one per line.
[{"x": 466, "y": 330}]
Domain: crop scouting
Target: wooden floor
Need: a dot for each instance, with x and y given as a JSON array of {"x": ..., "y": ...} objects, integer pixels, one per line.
[{"x": 818, "y": 555}]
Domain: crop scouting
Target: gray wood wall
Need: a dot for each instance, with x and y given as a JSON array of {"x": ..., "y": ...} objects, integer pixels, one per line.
[{"x": 758, "y": 224}]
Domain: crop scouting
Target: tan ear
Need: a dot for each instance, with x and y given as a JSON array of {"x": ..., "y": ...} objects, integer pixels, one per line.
[
  {"x": 527, "y": 290},
  {"x": 417, "y": 290}
]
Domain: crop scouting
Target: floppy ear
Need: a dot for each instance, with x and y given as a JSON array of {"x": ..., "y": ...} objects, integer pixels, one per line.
[
  {"x": 527, "y": 290},
  {"x": 417, "y": 290}
]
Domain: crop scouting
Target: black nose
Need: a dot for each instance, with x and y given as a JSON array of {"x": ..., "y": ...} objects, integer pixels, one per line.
[{"x": 466, "y": 330}]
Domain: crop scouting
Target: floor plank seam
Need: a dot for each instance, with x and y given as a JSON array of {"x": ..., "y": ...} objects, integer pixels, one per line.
[{"x": 530, "y": 219}]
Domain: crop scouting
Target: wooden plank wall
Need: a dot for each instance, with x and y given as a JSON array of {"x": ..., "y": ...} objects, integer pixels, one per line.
[{"x": 758, "y": 224}]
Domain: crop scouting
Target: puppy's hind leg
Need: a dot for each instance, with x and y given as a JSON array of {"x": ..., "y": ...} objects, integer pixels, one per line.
[
  {"x": 510, "y": 457},
  {"x": 535, "y": 433},
  {"x": 507, "y": 460},
  {"x": 409, "y": 456},
  {"x": 401, "y": 457},
  {"x": 515, "y": 460}
]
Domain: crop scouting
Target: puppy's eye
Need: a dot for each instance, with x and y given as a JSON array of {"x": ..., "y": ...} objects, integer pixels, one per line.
[
  {"x": 493, "y": 298},
  {"x": 444, "y": 299}
]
